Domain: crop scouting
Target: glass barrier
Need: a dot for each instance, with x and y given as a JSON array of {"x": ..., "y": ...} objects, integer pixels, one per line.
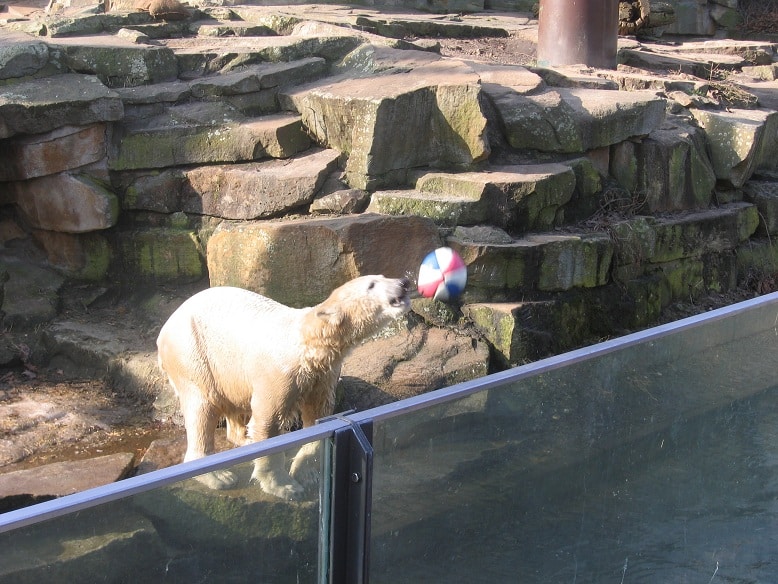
[
  {"x": 654, "y": 459},
  {"x": 650, "y": 458},
  {"x": 183, "y": 532}
]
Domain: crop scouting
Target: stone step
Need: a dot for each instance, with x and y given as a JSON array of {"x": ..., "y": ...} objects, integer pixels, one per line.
[
  {"x": 754, "y": 52},
  {"x": 21, "y": 55},
  {"x": 701, "y": 65},
  {"x": 264, "y": 256},
  {"x": 504, "y": 268},
  {"x": 252, "y": 89},
  {"x": 763, "y": 193},
  {"x": 116, "y": 61},
  {"x": 501, "y": 267},
  {"x": 668, "y": 170},
  {"x": 739, "y": 142},
  {"x": 254, "y": 190},
  {"x": 41, "y": 105},
  {"x": 204, "y": 132},
  {"x": 574, "y": 120},
  {"x": 520, "y": 197},
  {"x": 373, "y": 117},
  {"x": 226, "y": 54}
]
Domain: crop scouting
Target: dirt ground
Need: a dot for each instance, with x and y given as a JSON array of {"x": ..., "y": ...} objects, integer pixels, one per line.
[
  {"x": 506, "y": 51},
  {"x": 45, "y": 418}
]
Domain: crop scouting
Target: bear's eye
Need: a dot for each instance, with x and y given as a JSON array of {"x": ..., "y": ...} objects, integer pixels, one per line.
[{"x": 371, "y": 285}]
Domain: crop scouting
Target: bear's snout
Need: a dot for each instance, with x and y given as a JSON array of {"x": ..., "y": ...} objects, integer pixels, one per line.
[{"x": 401, "y": 296}]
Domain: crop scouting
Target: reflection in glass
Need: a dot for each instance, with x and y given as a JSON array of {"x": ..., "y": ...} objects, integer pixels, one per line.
[
  {"x": 184, "y": 532},
  {"x": 653, "y": 463}
]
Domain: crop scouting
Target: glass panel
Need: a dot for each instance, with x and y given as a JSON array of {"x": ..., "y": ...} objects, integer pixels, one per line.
[
  {"x": 657, "y": 462},
  {"x": 185, "y": 532}
]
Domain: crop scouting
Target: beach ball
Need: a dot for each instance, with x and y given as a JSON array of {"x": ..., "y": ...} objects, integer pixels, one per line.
[{"x": 442, "y": 274}]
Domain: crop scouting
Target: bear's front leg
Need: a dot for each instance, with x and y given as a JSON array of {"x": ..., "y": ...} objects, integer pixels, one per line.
[{"x": 270, "y": 471}]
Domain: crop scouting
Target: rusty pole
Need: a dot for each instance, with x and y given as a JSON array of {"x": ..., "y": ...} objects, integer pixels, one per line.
[{"x": 578, "y": 31}]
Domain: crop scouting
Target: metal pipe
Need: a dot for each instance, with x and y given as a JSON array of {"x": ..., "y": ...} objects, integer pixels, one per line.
[{"x": 574, "y": 32}]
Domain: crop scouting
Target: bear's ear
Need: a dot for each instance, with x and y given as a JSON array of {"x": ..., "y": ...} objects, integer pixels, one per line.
[{"x": 332, "y": 315}]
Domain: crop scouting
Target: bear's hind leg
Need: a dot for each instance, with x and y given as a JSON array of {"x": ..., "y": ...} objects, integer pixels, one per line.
[{"x": 200, "y": 421}]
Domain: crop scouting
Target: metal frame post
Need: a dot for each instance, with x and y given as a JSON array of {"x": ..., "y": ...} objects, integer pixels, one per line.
[
  {"x": 351, "y": 504},
  {"x": 572, "y": 32}
]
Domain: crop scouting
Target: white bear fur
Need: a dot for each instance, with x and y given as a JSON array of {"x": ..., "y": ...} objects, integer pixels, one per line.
[{"x": 233, "y": 354}]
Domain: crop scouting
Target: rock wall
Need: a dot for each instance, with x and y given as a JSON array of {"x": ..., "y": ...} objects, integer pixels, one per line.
[{"x": 286, "y": 150}]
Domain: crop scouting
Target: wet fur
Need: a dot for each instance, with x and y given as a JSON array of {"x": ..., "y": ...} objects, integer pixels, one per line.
[{"x": 232, "y": 354}]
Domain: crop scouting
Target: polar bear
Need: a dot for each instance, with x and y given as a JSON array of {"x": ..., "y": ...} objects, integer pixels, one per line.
[{"x": 231, "y": 353}]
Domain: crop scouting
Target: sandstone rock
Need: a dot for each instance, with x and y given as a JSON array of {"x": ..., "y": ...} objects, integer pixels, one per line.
[
  {"x": 231, "y": 29},
  {"x": 65, "y": 478},
  {"x": 31, "y": 294},
  {"x": 518, "y": 79},
  {"x": 164, "y": 94},
  {"x": 586, "y": 199},
  {"x": 764, "y": 194},
  {"x": 699, "y": 65},
  {"x": 342, "y": 202},
  {"x": 300, "y": 262},
  {"x": 254, "y": 78},
  {"x": 520, "y": 197},
  {"x": 160, "y": 254},
  {"x": 409, "y": 363},
  {"x": 763, "y": 72},
  {"x": 756, "y": 52},
  {"x": 41, "y": 105},
  {"x": 692, "y": 17},
  {"x": 370, "y": 120},
  {"x": 21, "y": 56},
  {"x": 575, "y": 77},
  {"x": 203, "y": 133},
  {"x": 690, "y": 235},
  {"x": 669, "y": 169},
  {"x": 134, "y": 36},
  {"x": 578, "y": 119},
  {"x": 738, "y": 141},
  {"x": 117, "y": 62},
  {"x": 643, "y": 81},
  {"x": 66, "y": 203},
  {"x": 517, "y": 331},
  {"x": 243, "y": 520},
  {"x": 65, "y": 148},
  {"x": 238, "y": 191},
  {"x": 503, "y": 271},
  {"x": 85, "y": 256},
  {"x": 257, "y": 190},
  {"x": 232, "y": 54}
]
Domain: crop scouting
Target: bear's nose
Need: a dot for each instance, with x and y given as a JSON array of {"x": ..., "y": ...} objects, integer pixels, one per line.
[{"x": 405, "y": 283}]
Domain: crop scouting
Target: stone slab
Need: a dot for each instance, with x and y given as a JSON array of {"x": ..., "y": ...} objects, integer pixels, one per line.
[
  {"x": 575, "y": 120},
  {"x": 21, "y": 55},
  {"x": 205, "y": 132},
  {"x": 299, "y": 262},
  {"x": 252, "y": 190},
  {"x": 65, "y": 478},
  {"x": 116, "y": 61},
  {"x": 66, "y": 203},
  {"x": 65, "y": 148},
  {"x": 371, "y": 118},
  {"x": 40, "y": 105}
]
